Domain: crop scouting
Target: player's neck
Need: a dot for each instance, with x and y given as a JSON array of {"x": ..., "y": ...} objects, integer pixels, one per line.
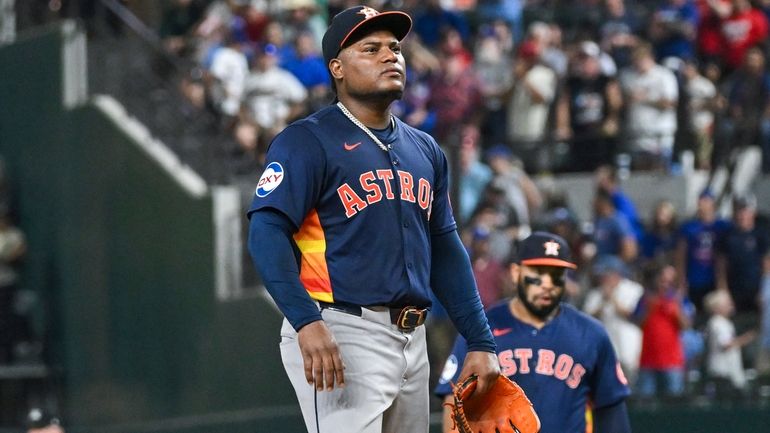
[
  {"x": 371, "y": 114},
  {"x": 521, "y": 312}
]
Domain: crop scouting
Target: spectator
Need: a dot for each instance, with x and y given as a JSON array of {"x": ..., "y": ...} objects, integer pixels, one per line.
[
  {"x": 475, "y": 175},
  {"x": 455, "y": 92},
  {"x": 493, "y": 69},
  {"x": 723, "y": 362},
  {"x": 619, "y": 31},
  {"x": 651, "y": 94},
  {"x": 673, "y": 28},
  {"x": 529, "y": 100},
  {"x": 612, "y": 233},
  {"x": 701, "y": 94},
  {"x": 709, "y": 38},
  {"x": 272, "y": 97},
  {"x": 413, "y": 106},
  {"x": 662, "y": 315},
  {"x": 433, "y": 20},
  {"x": 695, "y": 255},
  {"x": 613, "y": 302},
  {"x": 658, "y": 244},
  {"x": 509, "y": 11},
  {"x": 273, "y": 35},
  {"x": 488, "y": 271},
  {"x": 743, "y": 29},
  {"x": 548, "y": 38},
  {"x": 741, "y": 252},
  {"x": 521, "y": 193},
  {"x": 309, "y": 68},
  {"x": 226, "y": 77},
  {"x": 747, "y": 118},
  {"x": 302, "y": 17},
  {"x": 495, "y": 216},
  {"x": 608, "y": 179},
  {"x": 588, "y": 111}
]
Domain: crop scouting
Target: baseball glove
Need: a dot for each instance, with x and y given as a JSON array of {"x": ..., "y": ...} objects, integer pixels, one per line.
[{"x": 504, "y": 408}]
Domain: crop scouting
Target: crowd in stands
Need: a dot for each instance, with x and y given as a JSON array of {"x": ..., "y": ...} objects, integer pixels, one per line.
[
  {"x": 528, "y": 87},
  {"x": 525, "y": 87},
  {"x": 567, "y": 86}
]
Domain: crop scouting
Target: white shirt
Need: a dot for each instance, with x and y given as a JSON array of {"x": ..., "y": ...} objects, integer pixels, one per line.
[
  {"x": 270, "y": 94},
  {"x": 230, "y": 67},
  {"x": 701, "y": 90},
  {"x": 625, "y": 336},
  {"x": 724, "y": 363},
  {"x": 527, "y": 120},
  {"x": 645, "y": 121}
]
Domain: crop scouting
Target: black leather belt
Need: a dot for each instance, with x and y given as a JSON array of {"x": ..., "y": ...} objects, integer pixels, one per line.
[{"x": 406, "y": 318}]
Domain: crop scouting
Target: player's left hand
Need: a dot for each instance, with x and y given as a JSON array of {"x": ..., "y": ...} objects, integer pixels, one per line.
[{"x": 484, "y": 365}]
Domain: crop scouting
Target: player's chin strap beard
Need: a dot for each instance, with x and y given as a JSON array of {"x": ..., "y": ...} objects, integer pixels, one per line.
[
  {"x": 542, "y": 312},
  {"x": 363, "y": 127}
]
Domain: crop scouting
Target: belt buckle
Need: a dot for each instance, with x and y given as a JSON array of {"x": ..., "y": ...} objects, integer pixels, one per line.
[{"x": 410, "y": 318}]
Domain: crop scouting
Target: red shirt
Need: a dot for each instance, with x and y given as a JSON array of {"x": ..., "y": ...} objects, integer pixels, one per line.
[
  {"x": 740, "y": 32},
  {"x": 709, "y": 29},
  {"x": 661, "y": 346}
]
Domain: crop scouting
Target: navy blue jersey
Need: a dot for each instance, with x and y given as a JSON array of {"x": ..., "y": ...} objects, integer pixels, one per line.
[
  {"x": 346, "y": 195},
  {"x": 566, "y": 367}
]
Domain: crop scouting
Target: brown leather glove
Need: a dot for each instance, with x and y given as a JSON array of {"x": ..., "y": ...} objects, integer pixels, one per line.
[{"x": 503, "y": 409}]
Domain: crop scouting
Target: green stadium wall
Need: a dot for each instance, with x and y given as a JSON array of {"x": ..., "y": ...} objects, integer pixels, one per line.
[{"x": 124, "y": 257}]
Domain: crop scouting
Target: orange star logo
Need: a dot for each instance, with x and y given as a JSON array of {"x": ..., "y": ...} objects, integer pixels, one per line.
[
  {"x": 368, "y": 12},
  {"x": 551, "y": 248}
]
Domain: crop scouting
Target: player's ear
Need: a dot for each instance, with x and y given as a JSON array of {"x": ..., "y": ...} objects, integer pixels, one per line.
[
  {"x": 335, "y": 68},
  {"x": 514, "y": 269}
]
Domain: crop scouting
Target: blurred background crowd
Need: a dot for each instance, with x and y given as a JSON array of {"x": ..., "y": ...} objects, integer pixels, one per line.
[{"x": 517, "y": 91}]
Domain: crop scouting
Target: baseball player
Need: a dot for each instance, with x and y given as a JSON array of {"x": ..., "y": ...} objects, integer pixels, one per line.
[
  {"x": 561, "y": 357},
  {"x": 351, "y": 228}
]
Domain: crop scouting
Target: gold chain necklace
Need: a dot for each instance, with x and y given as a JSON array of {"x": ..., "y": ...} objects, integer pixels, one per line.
[{"x": 363, "y": 127}]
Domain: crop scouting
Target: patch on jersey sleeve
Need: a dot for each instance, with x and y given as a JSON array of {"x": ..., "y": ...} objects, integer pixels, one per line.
[
  {"x": 271, "y": 178},
  {"x": 450, "y": 368}
]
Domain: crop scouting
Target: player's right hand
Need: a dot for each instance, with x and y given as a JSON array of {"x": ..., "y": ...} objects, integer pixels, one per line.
[
  {"x": 484, "y": 365},
  {"x": 321, "y": 355}
]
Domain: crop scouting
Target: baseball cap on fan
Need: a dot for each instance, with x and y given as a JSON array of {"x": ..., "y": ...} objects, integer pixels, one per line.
[
  {"x": 544, "y": 249},
  {"x": 355, "y": 21}
]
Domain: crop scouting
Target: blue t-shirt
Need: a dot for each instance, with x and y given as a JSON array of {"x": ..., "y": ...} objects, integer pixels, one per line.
[
  {"x": 364, "y": 217},
  {"x": 677, "y": 45},
  {"x": 563, "y": 368},
  {"x": 310, "y": 71},
  {"x": 701, "y": 239},
  {"x": 609, "y": 232}
]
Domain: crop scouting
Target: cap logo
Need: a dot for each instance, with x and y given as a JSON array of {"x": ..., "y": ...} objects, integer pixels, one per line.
[
  {"x": 368, "y": 12},
  {"x": 551, "y": 248}
]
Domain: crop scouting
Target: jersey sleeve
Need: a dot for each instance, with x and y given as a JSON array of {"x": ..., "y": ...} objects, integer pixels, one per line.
[
  {"x": 441, "y": 217},
  {"x": 293, "y": 176},
  {"x": 452, "y": 368},
  {"x": 608, "y": 382}
]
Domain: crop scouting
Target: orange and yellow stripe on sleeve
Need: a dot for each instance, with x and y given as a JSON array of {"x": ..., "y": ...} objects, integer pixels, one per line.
[
  {"x": 313, "y": 273},
  {"x": 589, "y": 418}
]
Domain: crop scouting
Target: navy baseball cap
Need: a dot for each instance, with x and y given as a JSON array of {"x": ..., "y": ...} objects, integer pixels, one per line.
[
  {"x": 351, "y": 22},
  {"x": 544, "y": 249}
]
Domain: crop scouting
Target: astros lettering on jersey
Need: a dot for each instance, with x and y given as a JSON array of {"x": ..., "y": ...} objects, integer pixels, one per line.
[
  {"x": 566, "y": 367},
  {"x": 358, "y": 188}
]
